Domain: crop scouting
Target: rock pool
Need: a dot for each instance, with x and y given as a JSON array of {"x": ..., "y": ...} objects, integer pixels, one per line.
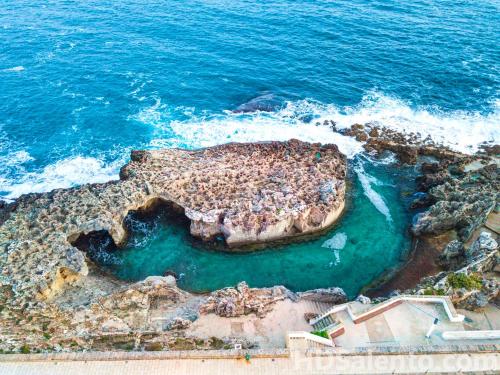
[{"x": 369, "y": 239}]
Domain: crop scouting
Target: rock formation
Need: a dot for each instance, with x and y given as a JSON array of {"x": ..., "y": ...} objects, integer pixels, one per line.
[
  {"x": 246, "y": 193},
  {"x": 457, "y": 196},
  {"x": 242, "y": 300}
]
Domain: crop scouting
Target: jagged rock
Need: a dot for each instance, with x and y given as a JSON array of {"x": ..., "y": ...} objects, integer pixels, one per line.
[
  {"x": 421, "y": 200},
  {"x": 462, "y": 204},
  {"x": 298, "y": 187},
  {"x": 429, "y": 180},
  {"x": 427, "y": 168},
  {"x": 334, "y": 296},
  {"x": 363, "y": 299},
  {"x": 454, "y": 249},
  {"x": 491, "y": 149},
  {"x": 474, "y": 301},
  {"x": 242, "y": 300},
  {"x": 452, "y": 254},
  {"x": 179, "y": 323},
  {"x": 483, "y": 245}
]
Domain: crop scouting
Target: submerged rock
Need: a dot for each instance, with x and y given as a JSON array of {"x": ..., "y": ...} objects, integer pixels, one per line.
[{"x": 246, "y": 193}]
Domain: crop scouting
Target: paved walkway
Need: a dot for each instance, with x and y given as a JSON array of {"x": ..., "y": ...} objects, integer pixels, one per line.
[{"x": 485, "y": 363}]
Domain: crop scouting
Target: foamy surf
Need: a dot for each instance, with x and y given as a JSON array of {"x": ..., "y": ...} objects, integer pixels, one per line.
[
  {"x": 338, "y": 241},
  {"x": 62, "y": 174},
  {"x": 375, "y": 198},
  {"x": 304, "y": 119},
  {"x": 15, "y": 69},
  {"x": 459, "y": 130}
]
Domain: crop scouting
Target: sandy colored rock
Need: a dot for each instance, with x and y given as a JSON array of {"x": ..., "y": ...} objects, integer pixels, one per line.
[{"x": 245, "y": 193}]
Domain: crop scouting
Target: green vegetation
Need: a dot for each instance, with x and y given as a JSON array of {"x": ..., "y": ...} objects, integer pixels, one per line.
[
  {"x": 154, "y": 347},
  {"x": 323, "y": 334},
  {"x": 461, "y": 280},
  {"x": 216, "y": 343},
  {"x": 25, "y": 349},
  {"x": 431, "y": 291},
  {"x": 47, "y": 336}
]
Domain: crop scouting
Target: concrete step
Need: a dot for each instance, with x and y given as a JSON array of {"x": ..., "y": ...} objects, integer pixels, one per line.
[{"x": 323, "y": 323}]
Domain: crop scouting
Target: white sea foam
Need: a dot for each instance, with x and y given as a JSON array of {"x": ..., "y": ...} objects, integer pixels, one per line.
[
  {"x": 19, "y": 68},
  {"x": 255, "y": 129},
  {"x": 63, "y": 174},
  {"x": 16, "y": 158},
  {"x": 338, "y": 241},
  {"x": 461, "y": 131},
  {"x": 375, "y": 198}
]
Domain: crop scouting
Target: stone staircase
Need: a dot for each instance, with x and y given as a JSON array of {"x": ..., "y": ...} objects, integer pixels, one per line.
[
  {"x": 324, "y": 323},
  {"x": 317, "y": 307}
]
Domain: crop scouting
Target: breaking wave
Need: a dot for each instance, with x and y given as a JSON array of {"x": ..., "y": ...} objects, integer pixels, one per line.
[
  {"x": 307, "y": 120},
  {"x": 62, "y": 174}
]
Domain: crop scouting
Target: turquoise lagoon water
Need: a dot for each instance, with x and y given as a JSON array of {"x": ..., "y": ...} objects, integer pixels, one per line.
[
  {"x": 84, "y": 82},
  {"x": 369, "y": 238}
]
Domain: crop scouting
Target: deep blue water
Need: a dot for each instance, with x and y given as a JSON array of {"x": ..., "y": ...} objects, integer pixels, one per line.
[{"x": 83, "y": 82}]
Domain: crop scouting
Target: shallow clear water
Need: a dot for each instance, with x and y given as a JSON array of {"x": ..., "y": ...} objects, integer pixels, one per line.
[{"x": 365, "y": 242}]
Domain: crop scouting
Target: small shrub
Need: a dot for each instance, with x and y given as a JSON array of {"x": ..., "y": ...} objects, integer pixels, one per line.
[
  {"x": 461, "y": 280},
  {"x": 25, "y": 349},
  {"x": 47, "y": 336},
  {"x": 216, "y": 343},
  {"x": 154, "y": 347},
  {"x": 434, "y": 292},
  {"x": 323, "y": 334}
]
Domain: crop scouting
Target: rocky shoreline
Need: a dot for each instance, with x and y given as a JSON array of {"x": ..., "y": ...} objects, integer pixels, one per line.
[
  {"x": 244, "y": 193},
  {"x": 52, "y": 298},
  {"x": 456, "y": 217}
]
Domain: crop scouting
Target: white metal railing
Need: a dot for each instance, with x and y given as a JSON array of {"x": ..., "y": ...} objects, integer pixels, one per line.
[
  {"x": 471, "y": 335},
  {"x": 302, "y": 335},
  {"x": 444, "y": 300}
]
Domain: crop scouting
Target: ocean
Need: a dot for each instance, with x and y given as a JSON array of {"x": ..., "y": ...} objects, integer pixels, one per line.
[{"x": 84, "y": 82}]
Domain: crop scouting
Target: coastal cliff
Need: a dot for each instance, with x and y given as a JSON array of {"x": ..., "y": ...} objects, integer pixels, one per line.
[{"x": 244, "y": 193}]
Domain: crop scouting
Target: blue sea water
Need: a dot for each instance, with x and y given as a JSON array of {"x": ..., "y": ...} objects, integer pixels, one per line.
[{"x": 84, "y": 82}]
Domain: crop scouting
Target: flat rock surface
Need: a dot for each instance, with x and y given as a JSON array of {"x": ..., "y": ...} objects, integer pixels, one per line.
[{"x": 246, "y": 193}]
